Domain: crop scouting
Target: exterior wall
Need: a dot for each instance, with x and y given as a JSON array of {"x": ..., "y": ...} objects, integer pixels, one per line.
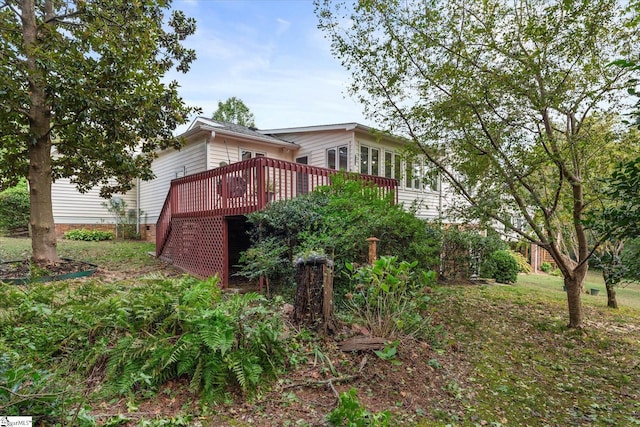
[
  {"x": 227, "y": 150},
  {"x": 314, "y": 145},
  {"x": 169, "y": 165},
  {"x": 72, "y": 209}
]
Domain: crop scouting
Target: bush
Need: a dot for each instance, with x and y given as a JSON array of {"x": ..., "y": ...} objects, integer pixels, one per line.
[
  {"x": 465, "y": 253},
  {"x": 546, "y": 267},
  {"x": 137, "y": 338},
  {"x": 523, "y": 264},
  {"x": 389, "y": 298},
  {"x": 14, "y": 208},
  {"x": 217, "y": 342},
  {"x": 88, "y": 235},
  {"x": 337, "y": 220},
  {"x": 503, "y": 267}
]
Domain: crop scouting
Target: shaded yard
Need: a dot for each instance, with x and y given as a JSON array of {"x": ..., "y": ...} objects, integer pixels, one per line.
[{"x": 504, "y": 358}]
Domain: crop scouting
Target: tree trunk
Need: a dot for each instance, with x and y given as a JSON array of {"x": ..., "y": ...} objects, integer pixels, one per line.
[
  {"x": 314, "y": 294},
  {"x": 574, "y": 284},
  {"x": 43, "y": 235},
  {"x": 611, "y": 296}
]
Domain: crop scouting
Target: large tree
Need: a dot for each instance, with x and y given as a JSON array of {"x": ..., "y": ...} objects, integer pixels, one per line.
[
  {"x": 82, "y": 96},
  {"x": 234, "y": 110},
  {"x": 500, "y": 97}
]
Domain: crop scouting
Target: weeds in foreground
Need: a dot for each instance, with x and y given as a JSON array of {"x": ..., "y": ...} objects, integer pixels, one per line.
[
  {"x": 390, "y": 299},
  {"x": 351, "y": 413}
]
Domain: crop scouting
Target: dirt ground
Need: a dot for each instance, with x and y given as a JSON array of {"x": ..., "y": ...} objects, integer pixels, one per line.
[{"x": 416, "y": 382}]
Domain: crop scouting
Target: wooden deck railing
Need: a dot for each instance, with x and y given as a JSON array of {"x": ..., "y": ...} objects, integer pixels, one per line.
[{"x": 242, "y": 188}]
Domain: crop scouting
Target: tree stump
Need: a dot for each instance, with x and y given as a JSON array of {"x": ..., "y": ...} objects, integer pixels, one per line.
[{"x": 314, "y": 293}]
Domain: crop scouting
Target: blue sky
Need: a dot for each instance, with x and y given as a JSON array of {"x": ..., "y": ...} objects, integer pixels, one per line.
[{"x": 270, "y": 54}]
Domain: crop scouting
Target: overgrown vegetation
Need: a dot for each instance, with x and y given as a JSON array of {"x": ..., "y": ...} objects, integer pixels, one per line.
[
  {"x": 134, "y": 339},
  {"x": 506, "y": 358},
  {"x": 338, "y": 219},
  {"x": 466, "y": 253},
  {"x": 14, "y": 208},
  {"x": 125, "y": 219},
  {"x": 390, "y": 299}
]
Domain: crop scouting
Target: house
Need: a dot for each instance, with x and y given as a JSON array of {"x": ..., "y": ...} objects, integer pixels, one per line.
[
  {"x": 194, "y": 209},
  {"x": 349, "y": 147}
]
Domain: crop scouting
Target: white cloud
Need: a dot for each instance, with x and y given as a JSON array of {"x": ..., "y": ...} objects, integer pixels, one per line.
[{"x": 283, "y": 26}]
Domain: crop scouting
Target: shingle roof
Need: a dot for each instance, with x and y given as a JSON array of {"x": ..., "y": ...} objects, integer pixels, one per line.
[{"x": 237, "y": 129}]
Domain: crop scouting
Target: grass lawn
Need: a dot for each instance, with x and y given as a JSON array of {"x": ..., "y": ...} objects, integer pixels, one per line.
[
  {"x": 110, "y": 255},
  {"x": 628, "y": 295}
]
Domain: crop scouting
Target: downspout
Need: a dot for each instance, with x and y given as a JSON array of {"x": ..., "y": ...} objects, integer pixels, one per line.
[
  {"x": 138, "y": 206},
  {"x": 440, "y": 197},
  {"x": 207, "y": 150}
]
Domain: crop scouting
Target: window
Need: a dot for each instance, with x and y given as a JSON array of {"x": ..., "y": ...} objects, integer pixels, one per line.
[
  {"x": 388, "y": 164},
  {"x": 431, "y": 177},
  {"x": 421, "y": 176},
  {"x": 393, "y": 166},
  {"x": 364, "y": 159},
  {"x": 412, "y": 175},
  {"x": 248, "y": 154},
  {"x": 397, "y": 172},
  {"x": 302, "y": 179},
  {"x": 337, "y": 158},
  {"x": 369, "y": 160}
]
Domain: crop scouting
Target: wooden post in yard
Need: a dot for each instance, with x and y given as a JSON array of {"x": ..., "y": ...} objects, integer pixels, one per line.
[{"x": 373, "y": 248}]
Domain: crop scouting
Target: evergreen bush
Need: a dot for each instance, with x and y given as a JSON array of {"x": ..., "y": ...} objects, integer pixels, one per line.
[
  {"x": 14, "y": 208},
  {"x": 338, "y": 219},
  {"x": 503, "y": 267}
]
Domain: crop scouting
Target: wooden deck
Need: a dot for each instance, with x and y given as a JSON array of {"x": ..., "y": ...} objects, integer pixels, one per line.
[{"x": 197, "y": 205}]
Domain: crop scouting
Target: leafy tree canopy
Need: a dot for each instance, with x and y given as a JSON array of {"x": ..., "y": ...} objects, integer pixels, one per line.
[
  {"x": 82, "y": 95},
  {"x": 234, "y": 110},
  {"x": 501, "y": 97},
  {"x": 101, "y": 66}
]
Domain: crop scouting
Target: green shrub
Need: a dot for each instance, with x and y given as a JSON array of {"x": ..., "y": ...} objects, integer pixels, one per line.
[
  {"x": 137, "y": 337},
  {"x": 217, "y": 342},
  {"x": 523, "y": 264},
  {"x": 389, "y": 299},
  {"x": 466, "y": 253},
  {"x": 503, "y": 267},
  {"x": 546, "y": 267},
  {"x": 337, "y": 220},
  {"x": 14, "y": 208},
  {"x": 88, "y": 235}
]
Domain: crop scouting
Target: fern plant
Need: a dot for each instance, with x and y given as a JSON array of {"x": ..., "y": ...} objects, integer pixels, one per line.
[{"x": 234, "y": 341}]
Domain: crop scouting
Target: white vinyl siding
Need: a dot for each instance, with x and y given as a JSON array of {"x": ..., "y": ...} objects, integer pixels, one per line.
[
  {"x": 227, "y": 151},
  {"x": 169, "y": 165},
  {"x": 316, "y": 146},
  {"x": 72, "y": 207}
]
